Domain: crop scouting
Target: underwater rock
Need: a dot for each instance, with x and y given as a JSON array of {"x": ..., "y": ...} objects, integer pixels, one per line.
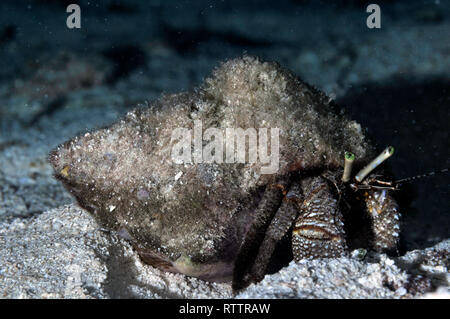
[{"x": 191, "y": 217}]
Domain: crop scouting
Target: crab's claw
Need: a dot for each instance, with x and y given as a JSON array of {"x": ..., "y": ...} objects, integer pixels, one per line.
[
  {"x": 385, "y": 216},
  {"x": 319, "y": 229}
]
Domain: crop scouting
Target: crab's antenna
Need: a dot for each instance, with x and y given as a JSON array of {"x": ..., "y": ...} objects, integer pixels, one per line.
[
  {"x": 349, "y": 158},
  {"x": 409, "y": 179},
  {"x": 374, "y": 164}
]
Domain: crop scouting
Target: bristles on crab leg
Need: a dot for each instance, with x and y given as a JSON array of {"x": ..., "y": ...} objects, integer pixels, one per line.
[
  {"x": 384, "y": 213},
  {"x": 375, "y": 163}
]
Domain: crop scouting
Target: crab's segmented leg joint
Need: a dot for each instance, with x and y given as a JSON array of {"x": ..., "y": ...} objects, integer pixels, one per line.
[{"x": 319, "y": 230}]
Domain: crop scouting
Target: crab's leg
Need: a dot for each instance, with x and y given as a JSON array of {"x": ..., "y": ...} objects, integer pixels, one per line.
[
  {"x": 319, "y": 229},
  {"x": 278, "y": 228},
  {"x": 385, "y": 217},
  {"x": 264, "y": 213}
]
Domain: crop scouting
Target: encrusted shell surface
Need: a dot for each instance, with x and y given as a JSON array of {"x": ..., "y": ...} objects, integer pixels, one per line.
[{"x": 196, "y": 214}]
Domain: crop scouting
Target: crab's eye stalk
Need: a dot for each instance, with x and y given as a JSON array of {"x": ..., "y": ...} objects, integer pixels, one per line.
[
  {"x": 374, "y": 164},
  {"x": 349, "y": 158}
]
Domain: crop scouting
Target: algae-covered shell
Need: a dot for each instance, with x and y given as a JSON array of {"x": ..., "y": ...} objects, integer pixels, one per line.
[{"x": 191, "y": 217}]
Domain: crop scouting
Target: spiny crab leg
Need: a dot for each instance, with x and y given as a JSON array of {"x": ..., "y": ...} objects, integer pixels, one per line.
[
  {"x": 385, "y": 217},
  {"x": 375, "y": 163}
]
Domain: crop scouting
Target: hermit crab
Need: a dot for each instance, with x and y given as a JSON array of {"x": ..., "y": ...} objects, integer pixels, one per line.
[{"x": 209, "y": 182}]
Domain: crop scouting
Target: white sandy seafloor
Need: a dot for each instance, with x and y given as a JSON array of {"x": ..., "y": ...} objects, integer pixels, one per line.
[
  {"x": 51, "y": 248},
  {"x": 63, "y": 253}
]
